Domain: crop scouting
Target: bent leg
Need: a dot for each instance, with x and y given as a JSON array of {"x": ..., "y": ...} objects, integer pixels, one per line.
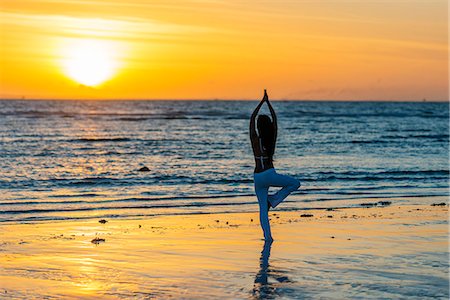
[
  {"x": 262, "y": 193},
  {"x": 288, "y": 184}
]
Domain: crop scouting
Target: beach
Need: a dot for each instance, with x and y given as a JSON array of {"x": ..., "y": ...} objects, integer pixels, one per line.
[{"x": 376, "y": 251}]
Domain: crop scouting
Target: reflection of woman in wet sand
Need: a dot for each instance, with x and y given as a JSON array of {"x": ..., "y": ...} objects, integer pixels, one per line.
[
  {"x": 263, "y": 144},
  {"x": 262, "y": 288},
  {"x": 261, "y": 277}
]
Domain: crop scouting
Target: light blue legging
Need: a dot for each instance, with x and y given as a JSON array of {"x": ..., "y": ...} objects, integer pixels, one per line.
[{"x": 263, "y": 181}]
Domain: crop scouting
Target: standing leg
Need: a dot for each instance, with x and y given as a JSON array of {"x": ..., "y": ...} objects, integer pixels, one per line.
[
  {"x": 262, "y": 193},
  {"x": 288, "y": 184}
]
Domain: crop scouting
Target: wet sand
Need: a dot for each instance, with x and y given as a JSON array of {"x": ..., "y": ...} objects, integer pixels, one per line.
[{"x": 368, "y": 252}]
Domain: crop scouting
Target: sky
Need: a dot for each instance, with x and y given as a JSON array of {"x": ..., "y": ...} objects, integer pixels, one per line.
[{"x": 214, "y": 49}]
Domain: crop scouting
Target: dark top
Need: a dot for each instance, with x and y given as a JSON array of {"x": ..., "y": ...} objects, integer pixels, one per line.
[{"x": 263, "y": 159}]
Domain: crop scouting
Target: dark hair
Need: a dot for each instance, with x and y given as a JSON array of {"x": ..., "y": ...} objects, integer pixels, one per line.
[{"x": 266, "y": 133}]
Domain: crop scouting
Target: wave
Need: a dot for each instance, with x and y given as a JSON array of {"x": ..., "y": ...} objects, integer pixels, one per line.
[
  {"x": 419, "y": 136},
  {"x": 389, "y": 139},
  {"x": 144, "y": 179},
  {"x": 132, "y": 199},
  {"x": 368, "y": 142},
  {"x": 132, "y": 119},
  {"x": 75, "y": 195},
  {"x": 359, "y": 115},
  {"x": 23, "y": 215},
  {"x": 135, "y": 179},
  {"x": 386, "y": 175},
  {"x": 316, "y": 193},
  {"x": 92, "y": 140},
  {"x": 65, "y": 209}
]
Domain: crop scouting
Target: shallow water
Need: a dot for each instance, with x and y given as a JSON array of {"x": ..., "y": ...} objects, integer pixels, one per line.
[{"x": 78, "y": 159}]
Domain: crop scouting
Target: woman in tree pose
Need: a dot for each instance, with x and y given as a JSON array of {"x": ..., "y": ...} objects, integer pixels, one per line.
[{"x": 263, "y": 144}]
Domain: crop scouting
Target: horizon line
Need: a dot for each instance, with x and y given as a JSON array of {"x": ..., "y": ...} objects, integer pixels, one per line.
[{"x": 219, "y": 99}]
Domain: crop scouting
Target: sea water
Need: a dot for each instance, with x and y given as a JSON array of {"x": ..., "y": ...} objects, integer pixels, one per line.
[{"x": 81, "y": 159}]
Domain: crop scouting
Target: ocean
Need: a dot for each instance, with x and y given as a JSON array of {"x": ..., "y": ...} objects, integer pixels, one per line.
[{"x": 81, "y": 159}]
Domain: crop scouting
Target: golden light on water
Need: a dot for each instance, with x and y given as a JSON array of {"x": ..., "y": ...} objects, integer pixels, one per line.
[{"x": 90, "y": 62}]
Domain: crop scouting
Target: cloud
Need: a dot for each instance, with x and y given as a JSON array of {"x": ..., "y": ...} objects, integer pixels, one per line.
[{"x": 114, "y": 28}]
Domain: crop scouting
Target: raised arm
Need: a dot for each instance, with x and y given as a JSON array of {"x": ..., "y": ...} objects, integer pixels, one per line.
[
  {"x": 255, "y": 113},
  {"x": 274, "y": 116}
]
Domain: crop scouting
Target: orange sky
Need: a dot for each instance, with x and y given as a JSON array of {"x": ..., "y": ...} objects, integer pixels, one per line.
[{"x": 164, "y": 49}]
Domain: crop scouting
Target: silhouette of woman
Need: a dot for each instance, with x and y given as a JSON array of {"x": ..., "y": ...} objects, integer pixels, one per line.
[{"x": 265, "y": 176}]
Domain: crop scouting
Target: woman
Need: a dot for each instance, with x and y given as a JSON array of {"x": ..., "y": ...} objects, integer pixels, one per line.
[{"x": 263, "y": 144}]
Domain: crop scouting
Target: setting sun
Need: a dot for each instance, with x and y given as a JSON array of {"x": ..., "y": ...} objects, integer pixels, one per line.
[{"x": 89, "y": 62}]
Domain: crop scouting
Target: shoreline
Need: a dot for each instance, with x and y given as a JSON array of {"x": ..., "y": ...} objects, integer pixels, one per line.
[
  {"x": 249, "y": 202},
  {"x": 381, "y": 251}
]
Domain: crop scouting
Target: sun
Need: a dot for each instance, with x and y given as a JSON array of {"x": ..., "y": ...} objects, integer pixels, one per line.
[{"x": 89, "y": 62}]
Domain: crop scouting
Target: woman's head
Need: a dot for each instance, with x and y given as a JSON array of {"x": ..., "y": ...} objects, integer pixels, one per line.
[
  {"x": 266, "y": 133},
  {"x": 264, "y": 123}
]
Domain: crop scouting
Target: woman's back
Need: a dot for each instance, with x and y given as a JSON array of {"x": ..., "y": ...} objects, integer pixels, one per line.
[{"x": 263, "y": 141}]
